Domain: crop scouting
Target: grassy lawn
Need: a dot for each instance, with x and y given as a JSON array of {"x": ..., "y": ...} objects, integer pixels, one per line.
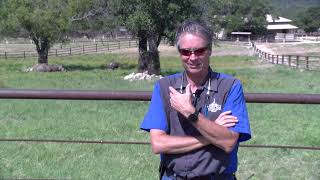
[{"x": 272, "y": 124}]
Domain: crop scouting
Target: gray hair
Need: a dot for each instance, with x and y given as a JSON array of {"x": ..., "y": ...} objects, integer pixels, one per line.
[{"x": 197, "y": 28}]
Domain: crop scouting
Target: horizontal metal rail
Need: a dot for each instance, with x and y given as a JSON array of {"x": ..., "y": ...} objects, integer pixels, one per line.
[
  {"x": 143, "y": 143},
  {"x": 145, "y": 96}
]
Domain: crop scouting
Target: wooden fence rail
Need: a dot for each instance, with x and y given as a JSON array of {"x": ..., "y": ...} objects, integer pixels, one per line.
[
  {"x": 98, "y": 47},
  {"x": 295, "y": 61}
]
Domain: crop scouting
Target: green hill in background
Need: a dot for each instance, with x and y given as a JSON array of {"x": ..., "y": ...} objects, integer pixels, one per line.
[{"x": 291, "y": 8}]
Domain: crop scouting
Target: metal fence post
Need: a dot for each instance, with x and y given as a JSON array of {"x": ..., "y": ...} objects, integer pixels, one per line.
[
  {"x": 5, "y": 55},
  {"x": 307, "y": 62},
  {"x": 96, "y": 47},
  {"x": 297, "y": 62}
]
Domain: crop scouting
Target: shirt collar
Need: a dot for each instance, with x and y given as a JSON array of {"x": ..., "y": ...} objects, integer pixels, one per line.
[{"x": 212, "y": 76}]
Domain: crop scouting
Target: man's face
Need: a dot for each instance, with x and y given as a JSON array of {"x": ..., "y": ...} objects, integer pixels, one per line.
[{"x": 194, "y": 53}]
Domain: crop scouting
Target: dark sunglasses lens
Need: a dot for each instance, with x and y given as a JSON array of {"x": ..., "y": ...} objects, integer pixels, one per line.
[
  {"x": 197, "y": 52},
  {"x": 185, "y": 52},
  {"x": 200, "y": 52}
]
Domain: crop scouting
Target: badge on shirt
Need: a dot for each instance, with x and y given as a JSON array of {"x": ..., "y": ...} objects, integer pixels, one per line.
[{"x": 214, "y": 107}]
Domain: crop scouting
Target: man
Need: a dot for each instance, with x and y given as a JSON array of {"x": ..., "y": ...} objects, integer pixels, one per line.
[{"x": 198, "y": 117}]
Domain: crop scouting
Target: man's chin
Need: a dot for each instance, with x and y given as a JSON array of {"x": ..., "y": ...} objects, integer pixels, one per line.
[{"x": 195, "y": 70}]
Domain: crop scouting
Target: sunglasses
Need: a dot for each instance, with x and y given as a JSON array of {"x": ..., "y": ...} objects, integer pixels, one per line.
[{"x": 190, "y": 51}]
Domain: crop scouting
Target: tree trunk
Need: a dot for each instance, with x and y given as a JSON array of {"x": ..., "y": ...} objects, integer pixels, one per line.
[
  {"x": 154, "y": 61},
  {"x": 143, "y": 49},
  {"x": 148, "y": 57},
  {"x": 43, "y": 56},
  {"x": 42, "y": 45}
]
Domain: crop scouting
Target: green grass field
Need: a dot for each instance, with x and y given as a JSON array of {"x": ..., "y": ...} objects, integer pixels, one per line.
[{"x": 272, "y": 124}]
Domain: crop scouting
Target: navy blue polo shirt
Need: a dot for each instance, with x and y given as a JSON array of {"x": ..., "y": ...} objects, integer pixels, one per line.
[{"x": 156, "y": 118}]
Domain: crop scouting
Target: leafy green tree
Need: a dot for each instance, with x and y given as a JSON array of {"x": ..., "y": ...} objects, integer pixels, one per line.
[
  {"x": 238, "y": 15},
  {"x": 309, "y": 20},
  {"x": 150, "y": 21},
  {"x": 91, "y": 17},
  {"x": 45, "y": 22}
]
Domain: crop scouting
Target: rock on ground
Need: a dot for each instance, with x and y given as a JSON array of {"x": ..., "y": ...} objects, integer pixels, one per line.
[{"x": 141, "y": 76}]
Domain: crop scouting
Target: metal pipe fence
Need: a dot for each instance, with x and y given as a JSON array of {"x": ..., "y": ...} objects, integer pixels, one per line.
[
  {"x": 143, "y": 96},
  {"x": 283, "y": 98}
]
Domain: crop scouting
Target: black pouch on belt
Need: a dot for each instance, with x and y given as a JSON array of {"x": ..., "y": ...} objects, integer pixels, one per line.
[{"x": 162, "y": 169}]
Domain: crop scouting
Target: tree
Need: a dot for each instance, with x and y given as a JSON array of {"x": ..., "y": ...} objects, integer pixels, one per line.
[
  {"x": 309, "y": 20},
  {"x": 238, "y": 15},
  {"x": 43, "y": 21},
  {"x": 91, "y": 17},
  {"x": 150, "y": 21}
]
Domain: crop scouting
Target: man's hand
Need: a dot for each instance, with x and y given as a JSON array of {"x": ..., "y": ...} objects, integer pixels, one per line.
[
  {"x": 226, "y": 120},
  {"x": 182, "y": 102}
]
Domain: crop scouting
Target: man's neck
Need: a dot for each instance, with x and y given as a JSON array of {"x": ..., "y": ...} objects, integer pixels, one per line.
[{"x": 196, "y": 80}]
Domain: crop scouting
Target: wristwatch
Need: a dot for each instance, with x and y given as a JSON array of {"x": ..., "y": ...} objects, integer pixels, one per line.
[{"x": 194, "y": 116}]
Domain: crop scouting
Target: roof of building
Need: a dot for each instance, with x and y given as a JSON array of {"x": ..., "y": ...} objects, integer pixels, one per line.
[
  {"x": 281, "y": 26},
  {"x": 277, "y": 20},
  {"x": 241, "y": 33}
]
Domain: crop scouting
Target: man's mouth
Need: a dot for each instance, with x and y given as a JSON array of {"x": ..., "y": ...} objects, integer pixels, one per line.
[{"x": 197, "y": 65}]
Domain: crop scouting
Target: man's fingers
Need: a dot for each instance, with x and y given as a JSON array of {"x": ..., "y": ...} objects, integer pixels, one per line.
[
  {"x": 231, "y": 120},
  {"x": 172, "y": 90},
  {"x": 188, "y": 90},
  {"x": 229, "y": 117},
  {"x": 224, "y": 113},
  {"x": 229, "y": 125}
]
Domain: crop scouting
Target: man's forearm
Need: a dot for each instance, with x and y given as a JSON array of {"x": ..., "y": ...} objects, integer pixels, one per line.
[
  {"x": 217, "y": 135},
  {"x": 164, "y": 143}
]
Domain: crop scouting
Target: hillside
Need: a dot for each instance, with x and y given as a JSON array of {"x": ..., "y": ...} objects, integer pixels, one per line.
[{"x": 291, "y": 8}]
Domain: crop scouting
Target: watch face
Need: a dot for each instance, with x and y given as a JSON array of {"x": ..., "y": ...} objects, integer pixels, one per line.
[{"x": 193, "y": 117}]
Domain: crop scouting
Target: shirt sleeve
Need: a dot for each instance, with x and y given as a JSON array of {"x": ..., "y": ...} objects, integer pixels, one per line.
[
  {"x": 155, "y": 118},
  {"x": 236, "y": 104}
]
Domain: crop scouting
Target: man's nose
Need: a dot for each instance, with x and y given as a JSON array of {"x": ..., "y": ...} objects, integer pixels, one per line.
[{"x": 193, "y": 57}]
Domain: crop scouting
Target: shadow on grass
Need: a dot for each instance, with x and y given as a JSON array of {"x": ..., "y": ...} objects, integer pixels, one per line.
[
  {"x": 76, "y": 67},
  {"x": 122, "y": 66},
  {"x": 126, "y": 66}
]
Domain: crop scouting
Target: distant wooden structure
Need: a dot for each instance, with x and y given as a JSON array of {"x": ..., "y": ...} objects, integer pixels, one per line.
[
  {"x": 281, "y": 28},
  {"x": 241, "y": 36}
]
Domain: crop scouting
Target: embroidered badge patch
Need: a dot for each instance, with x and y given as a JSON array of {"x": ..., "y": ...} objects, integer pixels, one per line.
[{"x": 214, "y": 107}]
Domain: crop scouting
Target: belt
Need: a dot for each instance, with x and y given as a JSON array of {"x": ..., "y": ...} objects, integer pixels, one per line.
[
  {"x": 169, "y": 173},
  {"x": 177, "y": 177}
]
